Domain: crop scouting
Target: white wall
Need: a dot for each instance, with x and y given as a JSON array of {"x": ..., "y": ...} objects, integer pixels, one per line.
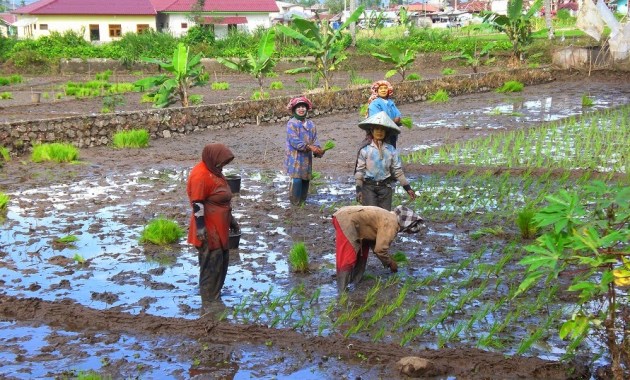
[{"x": 174, "y": 23}]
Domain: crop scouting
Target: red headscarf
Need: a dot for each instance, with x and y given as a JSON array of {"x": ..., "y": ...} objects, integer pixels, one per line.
[
  {"x": 299, "y": 100},
  {"x": 376, "y": 85},
  {"x": 214, "y": 155}
]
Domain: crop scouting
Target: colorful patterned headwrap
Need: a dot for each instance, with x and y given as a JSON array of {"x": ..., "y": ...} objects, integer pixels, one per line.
[
  {"x": 376, "y": 85},
  {"x": 408, "y": 220},
  {"x": 299, "y": 100}
]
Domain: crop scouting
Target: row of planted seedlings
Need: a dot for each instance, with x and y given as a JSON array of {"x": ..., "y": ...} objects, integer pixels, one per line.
[
  {"x": 510, "y": 291},
  {"x": 602, "y": 135}
]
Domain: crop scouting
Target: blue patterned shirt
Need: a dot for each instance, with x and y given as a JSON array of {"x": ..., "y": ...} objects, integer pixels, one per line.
[
  {"x": 378, "y": 165},
  {"x": 299, "y": 160},
  {"x": 379, "y": 104}
]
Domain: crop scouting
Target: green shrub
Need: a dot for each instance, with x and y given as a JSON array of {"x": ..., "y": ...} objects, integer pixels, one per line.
[
  {"x": 6, "y": 95},
  {"x": 298, "y": 257},
  {"x": 161, "y": 231},
  {"x": 258, "y": 96},
  {"x": 4, "y": 153},
  {"x": 57, "y": 152},
  {"x": 220, "y": 86},
  {"x": 195, "y": 99},
  {"x": 414, "y": 76},
  {"x": 511, "y": 86},
  {"x": 4, "y": 81},
  {"x": 448, "y": 71},
  {"x": 135, "y": 138}
]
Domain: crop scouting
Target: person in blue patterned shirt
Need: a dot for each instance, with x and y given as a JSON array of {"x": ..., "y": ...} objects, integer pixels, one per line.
[
  {"x": 378, "y": 165},
  {"x": 302, "y": 144},
  {"x": 381, "y": 100}
]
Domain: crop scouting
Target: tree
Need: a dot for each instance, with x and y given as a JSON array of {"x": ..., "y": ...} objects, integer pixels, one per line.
[
  {"x": 185, "y": 73},
  {"x": 256, "y": 65},
  {"x": 324, "y": 44},
  {"x": 516, "y": 24},
  {"x": 334, "y": 6},
  {"x": 548, "y": 22}
]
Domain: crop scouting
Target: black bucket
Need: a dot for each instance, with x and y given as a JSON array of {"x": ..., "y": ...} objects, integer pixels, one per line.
[
  {"x": 234, "y": 181},
  {"x": 235, "y": 238}
]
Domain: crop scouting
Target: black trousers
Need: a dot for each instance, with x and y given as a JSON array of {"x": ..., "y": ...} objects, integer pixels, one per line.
[
  {"x": 377, "y": 195},
  {"x": 213, "y": 266}
]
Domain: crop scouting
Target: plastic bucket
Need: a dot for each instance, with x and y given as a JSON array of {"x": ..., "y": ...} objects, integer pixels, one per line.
[
  {"x": 234, "y": 181},
  {"x": 235, "y": 238}
]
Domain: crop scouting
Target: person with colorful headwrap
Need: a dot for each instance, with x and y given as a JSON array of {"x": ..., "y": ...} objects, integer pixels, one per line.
[
  {"x": 210, "y": 198},
  {"x": 359, "y": 228},
  {"x": 381, "y": 100},
  {"x": 301, "y": 145},
  {"x": 378, "y": 165}
]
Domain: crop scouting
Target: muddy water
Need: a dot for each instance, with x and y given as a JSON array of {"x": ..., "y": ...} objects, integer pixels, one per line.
[{"x": 107, "y": 268}]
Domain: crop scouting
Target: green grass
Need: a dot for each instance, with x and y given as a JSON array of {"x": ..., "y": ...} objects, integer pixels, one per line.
[
  {"x": 298, "y": 257},
  {"x": 587, "y": 101},
  {"x": 258, "y": 96},
  {"x": 161, "y": 231},
  {"x": 414, "y": 76},
  {"x": 195, "y": 99},
  {"x": 220, "y": 86},
  {"x": 4, "y": 153},
  {"x": 440, "y": 96},
  {"x": 57, "y": 152},
  {"x": 276, "y": 85},
  {"x": 4, "y": 201},
  {"x": 525, "y": 223},
  {"x": 448, "y": 71},
  {"x": 6, "y": 95},
  {"x": 511, "y": 86},
  {"x": 135, "y": 138}
]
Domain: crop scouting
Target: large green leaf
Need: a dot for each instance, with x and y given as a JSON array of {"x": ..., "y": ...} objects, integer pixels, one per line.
[
  {"x": 305, "y": 41},
  {"x": 267, "y": 45}
]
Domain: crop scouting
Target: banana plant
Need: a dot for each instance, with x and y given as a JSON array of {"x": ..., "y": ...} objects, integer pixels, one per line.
[
  {"x": 183, "y": 73},
  {"x": 256, "y": 65},
  {"x": 324, "y": 44},
  {"x": 475, "y": 58},
  {"x": 401, "y": 59},
  {"x": 517, "y": 24}
]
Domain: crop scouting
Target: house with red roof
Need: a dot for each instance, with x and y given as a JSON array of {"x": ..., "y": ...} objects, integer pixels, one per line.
[
  {"x": 108, "y": 20},
  {"x": 6, "y": 24}
]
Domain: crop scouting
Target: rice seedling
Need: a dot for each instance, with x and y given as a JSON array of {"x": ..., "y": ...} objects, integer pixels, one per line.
[
  {"x": 400, "y": 257},
  {"x": 525, "y": 222},
  {"x": 58, "y": 152},
  {"x": 271, "y": 74},
  {"x": 45, "y": 95},
  {"x": 587, "y": 101},
  {"x": 363, "y": 111},
  {"x": 277, "y": 85},
  {"x": 358, "y": 80},
  {"x": 328, "y": 145},
  {"x": 511, "y": 86},
  {"x": 4, "y": 201},
  {"x": 78, "y": 259},
  {"x": 440, "y": 96},
  {"x": 58, "y": 95},
  {"x": 161, "y": 231},
  {"x": 220, "y": 86},
  {"x": 6, "y": 95},
  {"x": 448, "y": 71},
  {"x": 406, "y": 122},
  {"x": 134, "y": 138},
  {"x": 4, "y": 153},
  {"x": 69, "y": 239},
  {"x": 298, "y": 257},
  {"x": 414, "y": 76},
  {"x": 257, "y": 95}
]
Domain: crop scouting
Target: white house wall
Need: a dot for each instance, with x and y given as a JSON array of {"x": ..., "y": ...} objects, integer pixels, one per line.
[
  {"x": 173, "y": 23},
  {"x": 81, "y": 24}
]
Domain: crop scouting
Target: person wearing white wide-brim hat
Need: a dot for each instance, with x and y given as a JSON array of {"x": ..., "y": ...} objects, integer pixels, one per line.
[{"x": 378, "y": 165}]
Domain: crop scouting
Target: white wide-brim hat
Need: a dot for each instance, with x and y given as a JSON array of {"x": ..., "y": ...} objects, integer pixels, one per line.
[{"x": 382, "y": 120}]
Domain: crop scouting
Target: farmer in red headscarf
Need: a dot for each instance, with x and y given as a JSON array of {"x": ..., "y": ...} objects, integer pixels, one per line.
[
  {"x": 302, "y": 144},
  {"x": 211, "y": 219}
]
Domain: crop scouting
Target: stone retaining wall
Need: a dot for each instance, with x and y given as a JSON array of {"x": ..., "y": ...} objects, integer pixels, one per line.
[{"x": 95, "y": 130}]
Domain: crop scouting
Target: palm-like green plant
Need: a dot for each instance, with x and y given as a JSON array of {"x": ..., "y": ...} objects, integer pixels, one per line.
[
  {"x": 401, "y": 59},
  {"x": 475, "y": 58},
  {"x": 258, "y": 65},
  {"x": 184, "y": 72},
  {"x": 324, "y": 44},
  {"x": 516, "y": 24}
]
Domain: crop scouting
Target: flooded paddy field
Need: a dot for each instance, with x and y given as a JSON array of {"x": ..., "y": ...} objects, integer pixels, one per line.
[{"x": 109, "y": 304}]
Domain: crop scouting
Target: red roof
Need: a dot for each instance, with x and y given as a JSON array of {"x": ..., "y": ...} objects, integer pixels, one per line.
[
  {"x": 225, "y": 20},
  {"x": 8, "y": 18},
  {"x": 221, "y": 6},
  {"x": 88, "y": 7}
]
